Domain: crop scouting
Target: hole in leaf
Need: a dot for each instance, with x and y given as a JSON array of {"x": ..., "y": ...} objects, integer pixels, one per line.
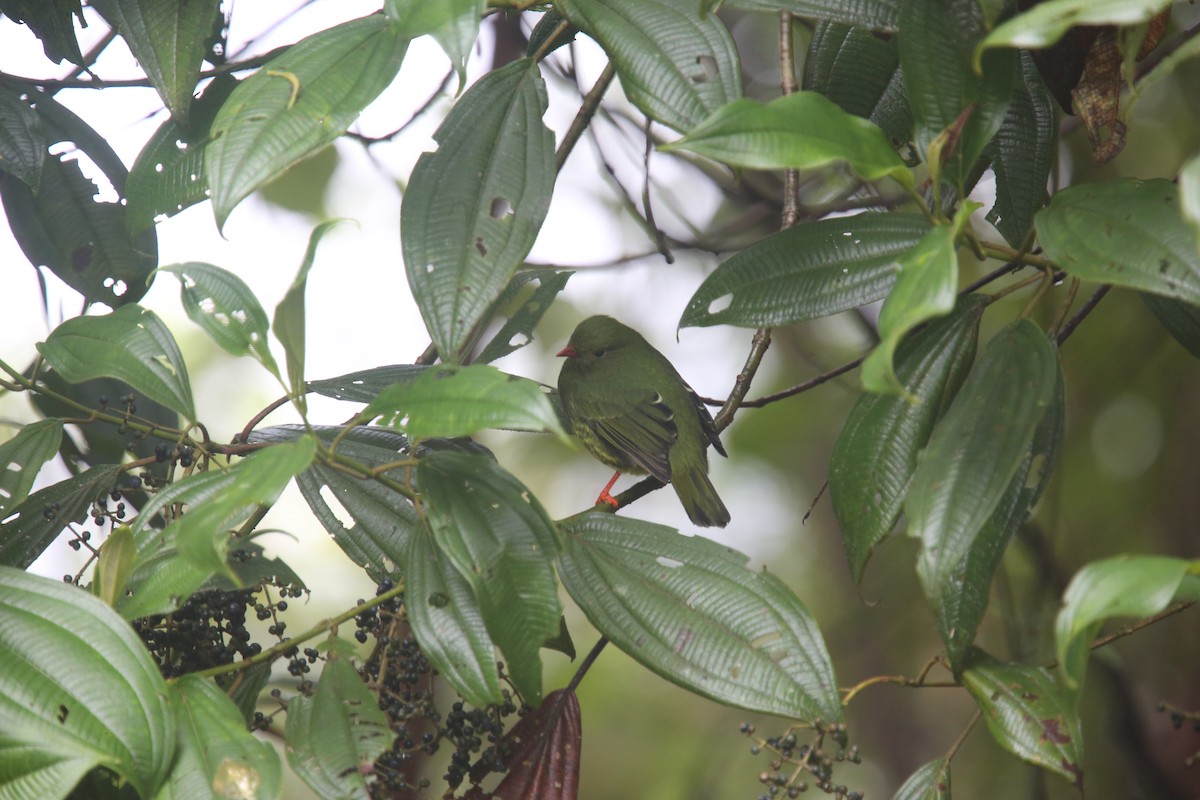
[
  {"x": 708, "y": 69},
  {"x": 336, "y": 508},
  {"x": 500, "y": 208},
  {"x": 669, "y": 562},
  {"x": 721, "y": 303},
  {"x": 480, "y": 246}
]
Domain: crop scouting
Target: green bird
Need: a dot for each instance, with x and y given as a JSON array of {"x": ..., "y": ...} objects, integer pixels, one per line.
[{"x": 630, "y": 409}]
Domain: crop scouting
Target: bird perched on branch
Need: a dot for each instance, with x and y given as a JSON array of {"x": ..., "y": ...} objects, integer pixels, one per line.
[{"x": 629, "y": 408}]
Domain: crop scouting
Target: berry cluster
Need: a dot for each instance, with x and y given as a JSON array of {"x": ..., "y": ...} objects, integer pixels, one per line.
[
  {"x": 793, "y": 759},
  {"x": 404, "y": 680},
  {"x": 206, "y": 631}
]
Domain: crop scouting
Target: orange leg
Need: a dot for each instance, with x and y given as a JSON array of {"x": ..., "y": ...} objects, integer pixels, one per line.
[{"x": 605, "y": 497}]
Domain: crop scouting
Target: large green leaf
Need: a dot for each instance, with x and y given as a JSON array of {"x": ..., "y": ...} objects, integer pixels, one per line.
[
  {"x": 691, "y": 611},
  {"x": 502, "y": 542},
  {"x": 474, "y": 207},
  {"x": 132, "y": 345},
  {"x": 804, "y": 130},
  {"x": 959, "y": 596},
  {"x": 1045, "y": 23},
  {"x": 1126, "y": 232},
  {"x": 1122, "y": 586},
  {"x": 64, "y": 228},
  {"x": 860, "y": 72},
  {"x": 978, "y": 447},
  {"x": 807, "y": 271},
  {"x": 878, "y": 15},
  {"x": 336, "y": 732},
  {"x": 448, "y": 401},
  {"x": 298, "y": 102},
  {"x": 214, "y": 753},
  {"x": 62, "y": 720},
  {"x": 22, "y": 141},
  {"x": 22, "y": 456},
  {"x": 925, "y": 288},
  {"x": 175, "y": 561},
  {"x": 364, "y": 385},
  {"x": 168, "y": 174},
  {"x": 34, "y": 524},
  {"x": 954, "y": 106},
  {"x": 448, "y": 623},
  {"x": 930, "y": 782},
  {"x": 676, "y": 64},
  {"x": 1028, "y": 714},
  {"x": 222, "y": 304},
  {"x": 876, "y": 453},
  {"x": 1023, "y": 150},
  {"x": 169, "y": 40}
]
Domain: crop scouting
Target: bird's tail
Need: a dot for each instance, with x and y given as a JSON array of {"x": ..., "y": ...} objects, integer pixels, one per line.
[{"x": 700, "y": 499}]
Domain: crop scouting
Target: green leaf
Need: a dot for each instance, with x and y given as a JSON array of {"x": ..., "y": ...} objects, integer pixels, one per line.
[
  {"x": 876, "y": 454},
  {"x": 1122, "y": 586},
  {"x": 807, "y": 271},
  {"x": 675, "y": 65},
  {"x": 959, "y": 597},
  {"x": 925, "y": 288},
  {"x": 222, "y": 304},
  {"x": 1047, "y": 22},
  {"x": 1028, "y": 714},
  {"x": 1126, "y": 232},
  {"x": 22, "y": 141},
  {"x": 22, "y": 456},
  {"x": 364, "y": 385},
  {"x": 64, "y": 228},
  {"x": 878, "y": 15},
  {"x": 132, "y": 345},
  {"x": 290, "y": 315},
  {"x": 168, "y": 174},
  {"x": 448, "y": 622},
  {"x": 335, "y": 735},
  {"x": 169, "y": 41},
  {"x": 297, "y": 103},
  {"x": 1189, "y": 191},
  {"x": 955, "y": 108},
  {"x": 60, "y": 721},
  {"x": 453, "y": 23},
  {"x": 51, "y": 21},
  {"x": 502, "y": 542},
  {"x": 473, "y": 208},
  {"x": 860, "y": 72},
  {"x": 459, "y": 401},
  {"x": 33, "y": 525},
  {"x": 1023, "y": 150},
  {"x": 979, "y": 446},
  {"x": 175, "y": 561},
  {"x": 930, "y": 782},
  {"x": 216, "y": 756},
  {"x": 1181, "y": 319},
  {"x": 804, "y": 130},
  {"x": 381, "y": 518},
  {"x": 691, "y": 611},
  {"x": 114, "y": 565},
  {"x": 529, "y": 307}
]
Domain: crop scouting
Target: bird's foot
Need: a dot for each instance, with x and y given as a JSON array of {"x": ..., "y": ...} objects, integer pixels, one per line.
[{"x": 605, "y": 497}]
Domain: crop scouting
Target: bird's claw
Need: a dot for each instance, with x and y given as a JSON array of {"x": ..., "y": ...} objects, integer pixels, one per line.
[{"x": 608, "y": 499}]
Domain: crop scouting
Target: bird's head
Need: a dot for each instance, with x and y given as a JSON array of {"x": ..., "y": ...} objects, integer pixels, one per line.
[{"x": 597, "y": 337}]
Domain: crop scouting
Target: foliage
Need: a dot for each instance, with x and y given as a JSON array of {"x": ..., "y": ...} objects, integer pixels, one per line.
[{"x": 139, "y": 675}]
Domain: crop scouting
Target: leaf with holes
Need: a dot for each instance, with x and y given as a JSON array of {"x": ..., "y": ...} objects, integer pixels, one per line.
[
  {"x": 1028, "y": 714},
  {"x": 22, "y": 456},
  {"x": 130, "y": 344},
  {"x": 222, "y": 304},
  {"x": 298, "y": 102},
  {"x": 525, "y": 308},
  {"x": 676, "y": 64},
  {"x": 692, "y": 612},
  {"x": 474, "y": 207},
  {"x": 61, "y": 721},
  {"x": 32, "y": 526},
  {"x": 807, "y": 271},
  {"x": 22, "y": 141},
  {"x": 1126, "y": 232}
]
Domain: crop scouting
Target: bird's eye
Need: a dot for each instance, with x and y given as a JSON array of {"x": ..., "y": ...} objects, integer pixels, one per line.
[{"x": 599, "y": 353}]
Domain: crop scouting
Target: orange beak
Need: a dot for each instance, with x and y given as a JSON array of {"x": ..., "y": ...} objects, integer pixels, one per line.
[{"x": 567, "y": 352}]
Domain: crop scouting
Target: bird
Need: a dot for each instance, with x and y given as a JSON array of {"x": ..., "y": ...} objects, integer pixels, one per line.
[{"x": 631, "y": 410}]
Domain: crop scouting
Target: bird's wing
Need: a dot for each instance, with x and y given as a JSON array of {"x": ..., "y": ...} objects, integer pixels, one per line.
[
  {"x": 643, "y": 431},
  {"x": 706, "y": 421}
]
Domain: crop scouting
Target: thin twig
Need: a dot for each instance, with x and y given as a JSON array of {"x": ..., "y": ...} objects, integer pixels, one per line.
[{"x": 1087, "y": 308}]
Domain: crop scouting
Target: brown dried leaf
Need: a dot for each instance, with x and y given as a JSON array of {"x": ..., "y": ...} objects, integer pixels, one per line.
[{"x": 543, "y": 754}]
